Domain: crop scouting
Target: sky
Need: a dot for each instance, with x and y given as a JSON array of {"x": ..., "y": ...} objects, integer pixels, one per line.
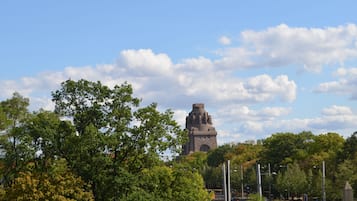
[{"x": 260, "y": 67}]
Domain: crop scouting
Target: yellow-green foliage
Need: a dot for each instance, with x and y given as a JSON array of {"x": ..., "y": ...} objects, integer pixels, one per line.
[{"x": 59, "y": 184}]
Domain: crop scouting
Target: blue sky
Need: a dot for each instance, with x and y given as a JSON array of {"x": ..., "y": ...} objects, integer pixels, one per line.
[{"x": 260, "y": 67}]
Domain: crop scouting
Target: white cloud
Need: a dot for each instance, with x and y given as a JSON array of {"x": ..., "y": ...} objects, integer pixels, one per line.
[
  {"x": 224, "y": 40},
  {"x": 195, "y": 64},
  {"x": 156, "y": 79},
  {"x": 253, "y": 124},
  {"x": 346, "y": 83},
  {"x": 224, "y": 88},
  {"x": 241, "y": 113},
  {"x": 275, "y": 111},
  {"x": 144, "y": 62},
  {"x": 251, "y": 127},
  {"x": 310, "y": 48},
  {"x": 265, "y": 86},
  {"x": 335, "y": 110},
  {"x": 248, "y": 123}
]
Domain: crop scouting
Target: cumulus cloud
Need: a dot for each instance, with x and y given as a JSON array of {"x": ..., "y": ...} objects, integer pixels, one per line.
[
  {"x": 309, "y": 48},
  {"x": 145, "y": 62},
  {"x": 336, "y": 110},
  {"x": 346, "y": 83},
  {"x": 334, "y": 118},
  {"x": 225, "y": 88},
  {"x": 253, "y": 124},
  {"x": 241, "y": 113},
  {"x": 155, "y": 78}
]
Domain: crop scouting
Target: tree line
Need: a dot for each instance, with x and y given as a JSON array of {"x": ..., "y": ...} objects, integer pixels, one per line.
[
  {"x": 291, "y": 165},
  {"x": 99, "y": 143}
]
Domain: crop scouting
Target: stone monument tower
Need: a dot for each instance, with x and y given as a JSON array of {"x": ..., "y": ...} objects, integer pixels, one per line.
[{"x": 201, "y": 133}]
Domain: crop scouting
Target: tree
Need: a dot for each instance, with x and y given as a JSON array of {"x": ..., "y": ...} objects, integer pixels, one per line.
[
  {"x": 347, "y": 171},
  {"x": 217, "y": 156},
  {"x": 58, "y": 184},
  {"x": 115, "y": 138},
  {"x": 196, "y": 160},
  {"x": 158, "y": 182},
  {"x": 48, "y": 135},
  {"x": 246, "y": 154},
  {"x": 326, "y": 147},
  {"x": 161, "y": 183},
  {"x": 213, "y": 177},
  {"x": 4, "y": 121},
  {"x": 15, "y": 109},
  {"x": 188, "y": 185},
  {"x": 293, "y": 180},
  {"x": 40, "y": 139},
  {"x": 284, "y": 148},
  {"x": 349, "y": 150},
  {"x": 13, "y": 142}
]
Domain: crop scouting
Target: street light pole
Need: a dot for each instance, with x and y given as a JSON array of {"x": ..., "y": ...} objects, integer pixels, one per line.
[
  {"x": 323, "y": 181},
  {"x": 229, "y": 194},
  {"x": 259, "y": 181},
  {"x": 269, "y": 177},
  {"x": 224, "y": 181},
  {"x": 241, "y": 179}
]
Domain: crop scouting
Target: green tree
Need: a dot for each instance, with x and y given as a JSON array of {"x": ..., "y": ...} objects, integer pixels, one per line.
[
  {"x": 218, "y": 155},
  {"x": 161, "y": 183},
  {"x": 284, "y": 148},
  {"x": 196, "y": 160},
  {"x": 327, "y": 147},
  {"x": 246, "y": 154},
  {"x": 188, "y": 185},
  {"x": 115, "y": 138},
  {"x": 347, "y": 171},
  {"x": 293, "y": 181},
  {"x": 158, "y": 181},
  {"x": 13, "y": 142},
  {"x": 48, "y": 135},
  {"x": 15, "y": 110},
  {"x": 213, "y": 177},
  {"x": 349, "y": 149},
  {"x": 314, "y": 181},
  {"x": 4, "y": 121}
]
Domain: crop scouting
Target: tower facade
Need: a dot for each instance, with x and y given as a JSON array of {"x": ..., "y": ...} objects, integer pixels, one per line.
[{"x": 202, "y": 135}]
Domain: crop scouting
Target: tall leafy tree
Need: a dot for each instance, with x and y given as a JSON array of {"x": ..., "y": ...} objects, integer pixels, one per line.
[
  {"x": 349, "y": 150},
  {"x": 326, "y": 147},
  {"x": 15, "y": 109},
  {"x": 188, "y": 185},
  {"x": 13, "y": 141},
  {"x": 284, "y": 148},
  {"x": 293, "y": 180},
  {"x": 115, "y": 138}
]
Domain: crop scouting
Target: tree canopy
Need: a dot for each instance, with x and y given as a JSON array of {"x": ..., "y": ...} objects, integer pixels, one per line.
[{"x": 99, "y": 143}]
